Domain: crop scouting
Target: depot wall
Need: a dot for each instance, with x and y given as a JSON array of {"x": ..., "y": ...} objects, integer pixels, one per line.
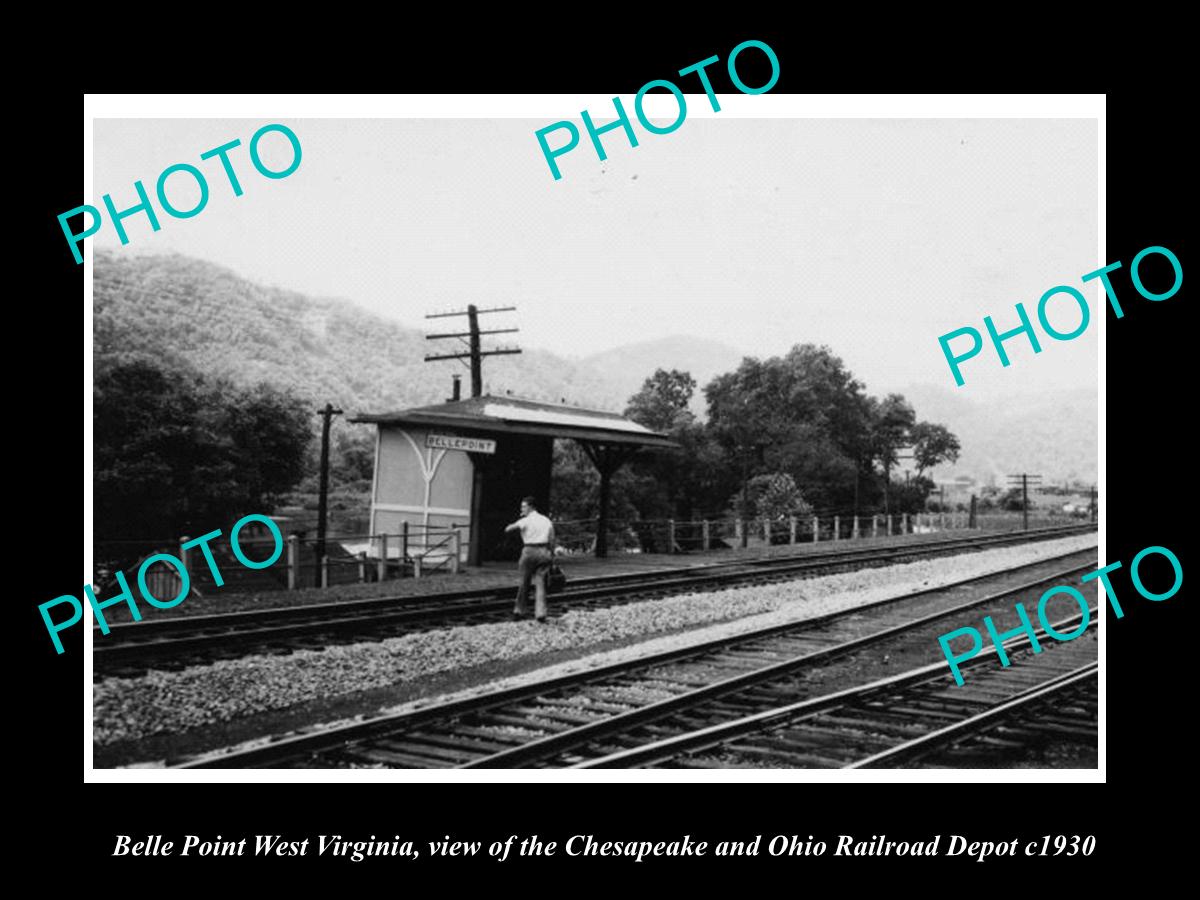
[
  {"x": 419, "y": 485},
  {"x": 433, "y": 487}
]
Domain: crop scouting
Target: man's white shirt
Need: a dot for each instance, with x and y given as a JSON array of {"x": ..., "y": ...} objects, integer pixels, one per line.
[{"x": 535, "y": 528}]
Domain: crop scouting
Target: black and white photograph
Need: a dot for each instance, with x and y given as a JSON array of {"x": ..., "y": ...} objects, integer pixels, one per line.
[{"x": 761, "y": 448}]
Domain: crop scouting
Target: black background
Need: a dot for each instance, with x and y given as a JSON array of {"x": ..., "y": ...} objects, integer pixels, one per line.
[{"x": 1144, "y": 501}]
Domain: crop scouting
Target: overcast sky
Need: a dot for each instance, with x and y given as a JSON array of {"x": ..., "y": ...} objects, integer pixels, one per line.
[{"x": 873, "y": 236}]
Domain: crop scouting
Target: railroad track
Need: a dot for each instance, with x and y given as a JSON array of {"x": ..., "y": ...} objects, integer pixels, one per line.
[
  {"x": 130, "y": 649},
  {"x": 563, "y": 720},
  {"x": 1066, "y": 725},
  {"x": 888, "y": 723}
]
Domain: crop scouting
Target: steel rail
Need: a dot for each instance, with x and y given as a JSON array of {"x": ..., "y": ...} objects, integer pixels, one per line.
[
  {"x": 662, "y": 751},
  {"x": 1020, "y": 702},
  {"x": 325, "y": 740}
]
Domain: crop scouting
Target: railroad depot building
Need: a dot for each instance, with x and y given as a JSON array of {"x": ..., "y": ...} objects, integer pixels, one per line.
[{"x": 466, "y": 464}]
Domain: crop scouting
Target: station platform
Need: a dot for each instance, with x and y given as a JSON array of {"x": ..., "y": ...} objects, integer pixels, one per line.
[
  {"x": 504, "y": 576},
  {"x": 582, "y": 567}
]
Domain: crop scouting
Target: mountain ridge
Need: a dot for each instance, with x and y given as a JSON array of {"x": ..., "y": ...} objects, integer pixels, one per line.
[{"x": 332, "y": 350}]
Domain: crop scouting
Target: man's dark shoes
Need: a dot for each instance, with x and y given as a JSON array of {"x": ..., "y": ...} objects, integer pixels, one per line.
[{"x": 541, "y": 620}]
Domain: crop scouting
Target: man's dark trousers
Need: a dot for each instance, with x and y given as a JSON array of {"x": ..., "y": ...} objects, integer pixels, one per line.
[{"x": 534, "y": 565}]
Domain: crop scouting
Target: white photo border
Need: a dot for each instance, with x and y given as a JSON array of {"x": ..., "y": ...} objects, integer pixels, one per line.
[{"x": 274, "y": 107}]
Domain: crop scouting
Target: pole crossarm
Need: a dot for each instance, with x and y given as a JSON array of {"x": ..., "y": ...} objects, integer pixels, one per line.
[
  {"x": 469, "y": 355},
  {"x": 463, "y": 312},
  {"x": 467, "y": 334},
  {"x": 471, "y": 337}
]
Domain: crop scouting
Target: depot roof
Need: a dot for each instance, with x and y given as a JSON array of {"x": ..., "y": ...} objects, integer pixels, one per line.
[{"x": 516, "y": 415}]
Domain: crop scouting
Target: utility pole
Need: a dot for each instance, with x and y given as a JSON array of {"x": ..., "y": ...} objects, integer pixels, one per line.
[
  {"x": 1023, "y": 480},
  {"x": 473, "y": 359},
  {"x": 323, "y": 498},
  {"x": 471, "y": 338}
]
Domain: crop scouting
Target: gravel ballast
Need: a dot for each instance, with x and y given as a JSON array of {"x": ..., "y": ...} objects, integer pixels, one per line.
[{"x": 126, "y": 709}]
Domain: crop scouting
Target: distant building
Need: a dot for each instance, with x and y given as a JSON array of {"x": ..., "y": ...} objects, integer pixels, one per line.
[{"x": 953, "y": 491}]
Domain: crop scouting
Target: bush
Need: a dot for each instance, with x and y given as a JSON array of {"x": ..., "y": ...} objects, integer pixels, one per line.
[{"x": 774, "y": 497}]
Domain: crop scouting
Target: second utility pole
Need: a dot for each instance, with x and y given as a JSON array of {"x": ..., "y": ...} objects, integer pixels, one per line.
[
  {"x": 1024, "y": 476},
  {"x": 323, "y": 497}
]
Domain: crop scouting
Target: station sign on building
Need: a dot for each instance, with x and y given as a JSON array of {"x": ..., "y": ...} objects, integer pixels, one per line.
[{"x": 452, "y": 442}]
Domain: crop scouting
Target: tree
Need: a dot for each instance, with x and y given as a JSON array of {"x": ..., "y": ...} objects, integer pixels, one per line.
[
  {"x": 933, "y": 445},
  {"x": 891, "y": 420},
  {"x": 803, "y": 413},
  {"x": 662, "y": 403},
  {"x": 176, "y": 453},
  {"x": 738, "y": 419},
  {"x": 700, "y": 472},
  {"x": 269, "y": 431},
  {"x": 681, "y": 483},
  {"x": 352, "y": 460}
]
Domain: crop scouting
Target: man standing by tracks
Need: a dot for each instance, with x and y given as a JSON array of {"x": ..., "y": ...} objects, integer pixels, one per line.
[{"x": 537, "y": 534}]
